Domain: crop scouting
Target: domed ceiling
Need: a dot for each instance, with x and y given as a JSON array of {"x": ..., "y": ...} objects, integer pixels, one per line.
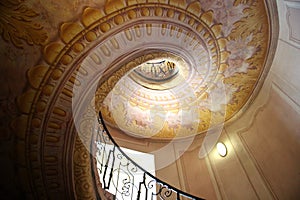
[
  {"x": 159, "y": 69},
  {"x": 217, "y": 49}
]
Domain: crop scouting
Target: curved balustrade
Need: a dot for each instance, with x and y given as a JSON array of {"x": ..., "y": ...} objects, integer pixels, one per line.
[{"x": 123, "y": 177}]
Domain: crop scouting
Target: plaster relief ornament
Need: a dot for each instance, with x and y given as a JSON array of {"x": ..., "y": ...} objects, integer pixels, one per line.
[
  {"x": 92, "y": 53},
  {"x": 19, "y": 24}
]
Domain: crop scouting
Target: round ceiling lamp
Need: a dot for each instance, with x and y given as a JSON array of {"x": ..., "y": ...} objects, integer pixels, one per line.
[{"x": 222, "y": 149}]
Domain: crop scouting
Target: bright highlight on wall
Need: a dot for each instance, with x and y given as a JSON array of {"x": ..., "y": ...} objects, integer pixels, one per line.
[{"x": 221, "y": 148}]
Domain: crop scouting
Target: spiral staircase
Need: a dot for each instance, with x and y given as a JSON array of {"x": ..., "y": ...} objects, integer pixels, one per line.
[
  {"x": 155, "y": 70},
  {"x": 111, "y": 161}
]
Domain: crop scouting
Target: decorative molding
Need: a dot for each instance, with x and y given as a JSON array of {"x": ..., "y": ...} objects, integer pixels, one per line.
[
  {"x": 292, "y": 17},
  {"x": 241, "y": 126},
  {"x": 234, "y": 131},
  {"x": 213, "y": 178},
  {"x": 289, "y": 93},
  {"x": 241, "y": 132},
  {"x": 245, "y": 88},
  {"x": 47, "y": 146},
  {"x": 18, "y": 24},
  {"x": 272, "y": 86},
  {"x": 241, "y": 163}
]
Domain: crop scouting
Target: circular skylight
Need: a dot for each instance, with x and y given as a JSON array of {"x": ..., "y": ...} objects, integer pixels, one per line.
[
  {"x": 166, "y": 72},
  {"x": 157, "y": 71}
]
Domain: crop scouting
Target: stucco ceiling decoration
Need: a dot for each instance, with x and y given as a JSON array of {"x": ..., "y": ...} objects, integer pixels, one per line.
[
  {"x": 225, "y": 55},
  {"x": 232, "y": 35},
  {"x": 18, "y": 24}
]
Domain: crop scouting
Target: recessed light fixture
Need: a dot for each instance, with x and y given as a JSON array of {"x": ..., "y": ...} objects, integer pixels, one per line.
[{"x": 222, "y": 150}]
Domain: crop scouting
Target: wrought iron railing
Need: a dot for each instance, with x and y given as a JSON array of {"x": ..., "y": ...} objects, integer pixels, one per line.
[{"x": 123, "y": 177}]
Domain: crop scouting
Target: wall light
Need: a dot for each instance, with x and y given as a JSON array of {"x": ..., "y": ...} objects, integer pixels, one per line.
[{"x": 222, "y": 150}]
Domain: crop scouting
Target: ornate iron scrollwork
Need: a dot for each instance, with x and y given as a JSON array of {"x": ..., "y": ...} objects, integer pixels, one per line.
[{"x": 117, "y": 170}]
